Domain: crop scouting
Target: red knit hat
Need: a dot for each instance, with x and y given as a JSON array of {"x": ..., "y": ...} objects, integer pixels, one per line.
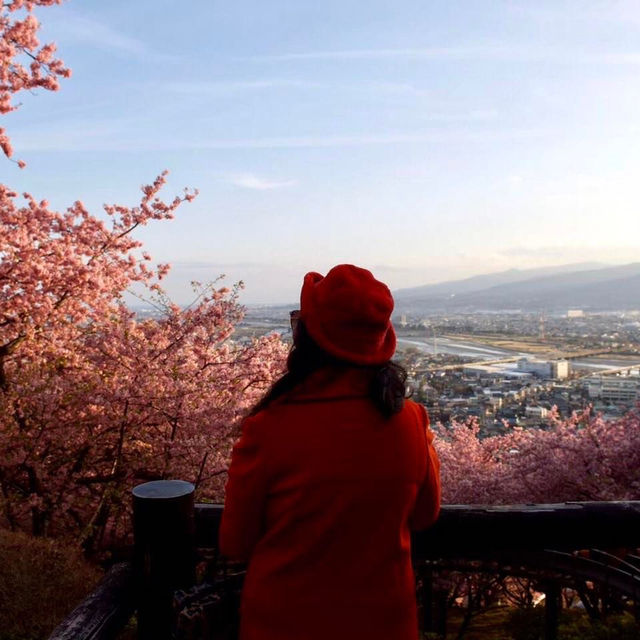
[{"x": 348, "y": 314}]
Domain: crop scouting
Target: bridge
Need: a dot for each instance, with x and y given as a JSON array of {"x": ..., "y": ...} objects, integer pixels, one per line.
[
  {"x": 550, "y": 356},
  {"x": 601, "y": 372},
  {"x": 449, "y": 367}
]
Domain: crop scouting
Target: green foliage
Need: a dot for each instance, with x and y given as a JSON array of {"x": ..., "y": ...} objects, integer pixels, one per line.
[
  {"x": 615, "y": 627},
  {"x": 528, "y": 624},
  {"x": 41, "y": 581},
  {"x": 130, "y": 630}
]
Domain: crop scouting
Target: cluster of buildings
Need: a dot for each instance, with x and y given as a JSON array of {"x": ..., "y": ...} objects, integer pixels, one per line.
[
  {"x": 614, "y": 389},
  {"x": 494, "y": 399},
  {"x": 518, "y": 394}
]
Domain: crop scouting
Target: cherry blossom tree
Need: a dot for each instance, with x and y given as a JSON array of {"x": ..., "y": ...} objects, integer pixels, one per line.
[
  {"x": 582, "y": 458},
  {"x": 92, "y": 398},
  {"x": 24, "y": 64}
]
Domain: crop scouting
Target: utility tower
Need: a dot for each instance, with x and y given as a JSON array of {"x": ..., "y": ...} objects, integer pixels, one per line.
[{"x": 435, "y": 343}]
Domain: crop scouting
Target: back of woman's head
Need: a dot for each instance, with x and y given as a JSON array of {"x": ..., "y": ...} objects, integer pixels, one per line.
[
  {"x": 348, "y": 314},
  {"x": 345, "y": 321},
  {"x": 387, "y": 386}
]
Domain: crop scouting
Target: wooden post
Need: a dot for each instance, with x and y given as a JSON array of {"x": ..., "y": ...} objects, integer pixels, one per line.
[
  {"x": 428, "y": 623},
  {"x": 551, "y": 610},
  {"x": 164, "y": 552},
  {"x": 434, "y": 605},
  {"x": 440, "y": 601}
]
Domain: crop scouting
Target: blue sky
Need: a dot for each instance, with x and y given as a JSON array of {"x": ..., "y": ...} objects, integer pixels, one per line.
[{"x": 423, "y": 140}]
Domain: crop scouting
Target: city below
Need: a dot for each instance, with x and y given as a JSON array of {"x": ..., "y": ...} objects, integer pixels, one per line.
[
  {"x": 514, "y": 348},
  {"x": 508, "y": 369}
]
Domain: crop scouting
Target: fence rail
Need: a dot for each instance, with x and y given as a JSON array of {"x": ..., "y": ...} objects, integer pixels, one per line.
[
  {"x": 168, "y": 528},
  {"x": 104, "y": 612}
]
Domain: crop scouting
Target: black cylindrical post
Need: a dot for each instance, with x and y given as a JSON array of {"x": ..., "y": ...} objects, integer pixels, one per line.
[{"x": 163, "y": 525}]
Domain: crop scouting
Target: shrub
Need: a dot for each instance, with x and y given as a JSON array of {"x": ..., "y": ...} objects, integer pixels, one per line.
[
  {"x": 528, "y": 624},
  {"x": 577, "y": 626},
  {"x": 41, "y": 581}
]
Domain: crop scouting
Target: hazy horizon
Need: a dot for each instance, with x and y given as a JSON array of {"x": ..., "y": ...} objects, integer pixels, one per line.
[{"x": 178, "y": 282}]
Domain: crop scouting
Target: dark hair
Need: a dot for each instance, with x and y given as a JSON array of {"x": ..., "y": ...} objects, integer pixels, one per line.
[{"x": 388, "y": 381}]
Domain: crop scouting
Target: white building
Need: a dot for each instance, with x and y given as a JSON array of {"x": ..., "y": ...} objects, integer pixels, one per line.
[
  {"x": 538, "y": 368},
  {"x": 614, "y": 388},
  {"x": 558, "y": 369},
  {"x": 536, "y": 412}
]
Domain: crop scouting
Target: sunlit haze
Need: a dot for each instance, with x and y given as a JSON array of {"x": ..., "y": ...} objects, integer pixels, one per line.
[{"x": 424, "y": 140}]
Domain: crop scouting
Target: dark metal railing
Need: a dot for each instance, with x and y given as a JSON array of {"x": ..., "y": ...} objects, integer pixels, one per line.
[{"x": 172, "y": 534}]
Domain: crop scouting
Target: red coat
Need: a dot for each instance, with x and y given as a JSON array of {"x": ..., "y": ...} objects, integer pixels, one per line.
[{"x": 321, "y": 497}]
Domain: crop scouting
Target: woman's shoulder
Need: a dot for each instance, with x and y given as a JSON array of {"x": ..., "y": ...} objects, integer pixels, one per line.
[
  {"x": 415, "y": 406},
  {"x": 418, "y": 410},
  {"x": 266, "y": 417}
]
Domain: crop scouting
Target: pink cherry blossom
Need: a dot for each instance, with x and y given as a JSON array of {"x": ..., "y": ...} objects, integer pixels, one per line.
[
  {"x": 24, "y": 64},
  {"x": 582, "y": 458},
  {"x": 93, "y": 399}
]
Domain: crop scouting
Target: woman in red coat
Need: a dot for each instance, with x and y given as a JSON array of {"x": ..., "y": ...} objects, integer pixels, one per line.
[{"x": 333, "y": 469}]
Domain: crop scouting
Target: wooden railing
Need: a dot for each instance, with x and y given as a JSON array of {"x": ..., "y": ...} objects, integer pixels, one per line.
[
  {"x": 104, "y": 612},
  {"x": 172, "y": 534}
]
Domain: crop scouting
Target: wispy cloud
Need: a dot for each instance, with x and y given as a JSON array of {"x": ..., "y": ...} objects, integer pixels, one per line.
[
  {"x": 91, "y": 32},
  {"x": 367, "y": 139},
  {"x": 476, "y": 115},
  {"x": 204, "y": 264},
  {"x": 515, "y": 181},
  {"x": 492, "y": 52},
  {"x": 125, "y": 136},
  {"x": 632, "y": 58},
  {"x": 80, "y": 134},
  {"x": 622, "y": 12},
  {"x": 257, "y": 183},
  {"x": 586, "y": 254},
  {"x": 434, "y": 53},
  {"x": 234, "y": 86},
  {"x": 438, "y": 112},
  {"x": 401, "y": 89}
]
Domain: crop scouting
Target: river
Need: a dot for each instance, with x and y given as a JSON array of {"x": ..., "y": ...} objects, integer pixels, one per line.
[{"x": 484, "y": 352}]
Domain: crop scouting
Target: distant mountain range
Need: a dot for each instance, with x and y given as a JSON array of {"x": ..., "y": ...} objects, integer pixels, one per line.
[{"x": 589, "y": 286}]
